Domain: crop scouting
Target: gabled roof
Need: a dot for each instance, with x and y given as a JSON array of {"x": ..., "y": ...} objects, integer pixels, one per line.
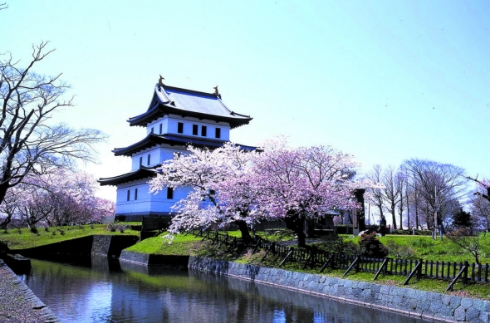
[
  {"x": 143, "y": 172},
  {"x": 174, "y": 140},
  {"x": 173, "y": 100}
]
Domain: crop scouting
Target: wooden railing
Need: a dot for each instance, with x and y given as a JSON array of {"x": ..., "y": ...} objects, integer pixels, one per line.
[{"x": 315, "y": 258}]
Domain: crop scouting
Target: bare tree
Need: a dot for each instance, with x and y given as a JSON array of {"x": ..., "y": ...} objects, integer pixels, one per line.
[
  {"x": 387, "y": 197},
  {"x": 438, "y": 187},
  {"x": 391, "y": 192},
  {"x": 483, "y": 187},
  {"x": 401, "y": 185},
  {"x": 376, "y": 193},
  {"x": 480, "y": 203},
  {"x": 473, "y": 244},
  {"x": 29, "y": 141}
]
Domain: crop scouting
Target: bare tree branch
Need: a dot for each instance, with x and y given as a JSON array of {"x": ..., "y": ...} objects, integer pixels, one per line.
[
  {"x": 483, "y": 185},
  {"x": 29, "y": 141}
]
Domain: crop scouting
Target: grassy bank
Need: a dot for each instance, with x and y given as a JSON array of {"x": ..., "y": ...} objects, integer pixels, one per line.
[
  {"x": 422, "y": 247},
  {"x": 419, "y": 247},
  {"x": 179, "y": 245},
  {"x": 24, "y": 239}
]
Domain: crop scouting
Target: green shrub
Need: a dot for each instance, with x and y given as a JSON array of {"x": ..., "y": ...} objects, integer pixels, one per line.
[
  {"x": 112, "y": 227},
  {"x": 370, "y": 246}
]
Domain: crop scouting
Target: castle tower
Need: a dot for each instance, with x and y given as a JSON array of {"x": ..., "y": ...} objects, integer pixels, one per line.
[{"x": 175, "y": 118}]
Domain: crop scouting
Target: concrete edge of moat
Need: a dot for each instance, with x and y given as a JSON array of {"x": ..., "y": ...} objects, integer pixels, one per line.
[
  {"x": 406, "y": 301},
  {"x": 18, "y": 303}
]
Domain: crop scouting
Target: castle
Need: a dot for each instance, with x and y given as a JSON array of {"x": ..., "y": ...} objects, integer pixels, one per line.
[{"x": 175, "y": 118}]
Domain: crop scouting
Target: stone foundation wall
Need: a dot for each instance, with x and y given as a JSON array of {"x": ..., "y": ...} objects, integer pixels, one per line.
[
  {"x": 407, "y": 301},
  {"x": 18, "y": 303},
  {"x": 152, "y": 259},
  {"x": 104, "y": 245}
]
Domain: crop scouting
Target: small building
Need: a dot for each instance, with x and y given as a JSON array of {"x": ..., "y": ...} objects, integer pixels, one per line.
[{"x": 175, "y": 118}]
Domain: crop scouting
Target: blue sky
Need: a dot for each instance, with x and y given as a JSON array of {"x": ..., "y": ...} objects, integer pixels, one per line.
[{"x": 383, "y": 80}]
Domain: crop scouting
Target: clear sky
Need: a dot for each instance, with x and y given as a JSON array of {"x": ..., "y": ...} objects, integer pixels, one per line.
[{"x": 383, "y": 80}]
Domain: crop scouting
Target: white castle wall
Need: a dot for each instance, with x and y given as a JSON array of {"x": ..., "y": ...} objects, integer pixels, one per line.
[
  {"x": 169, "y": 125},
  {"x": 145, "y": 202}
]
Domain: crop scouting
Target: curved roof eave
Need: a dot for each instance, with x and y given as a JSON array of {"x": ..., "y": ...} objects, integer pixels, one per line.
[
  {"x": 160, "y": 110},
  {"x": 173, "y": 140},
  {"x": 141, "y": 173},
  {"x": 161, "y": 104}
]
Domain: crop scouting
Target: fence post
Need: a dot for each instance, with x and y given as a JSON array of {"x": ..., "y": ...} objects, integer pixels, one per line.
[
  {"x": 419, "y": 272},
  {"x": 257, "y": 245},
  {"x": 312, "y": 252},
  {"x": 287, "y": 256},
  {"x": 463, "y": 272},
  {"x": 383, "y": 266},
  {"x": 416, "y": 270},
  {"x": 354, "y": 263}
]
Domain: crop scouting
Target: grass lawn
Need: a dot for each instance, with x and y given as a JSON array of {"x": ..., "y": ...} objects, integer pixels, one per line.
[
  {"x": 26, "y": 239},
  {"x": 180, "y": 245},
  {"x": 424, "y": 247}
]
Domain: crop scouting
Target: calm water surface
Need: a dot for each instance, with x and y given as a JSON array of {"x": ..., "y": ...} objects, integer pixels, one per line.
[{"x": 113, "y": 292}]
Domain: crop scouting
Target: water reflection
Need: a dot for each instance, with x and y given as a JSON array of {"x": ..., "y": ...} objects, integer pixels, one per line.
[{"x": 113, "y": 292}]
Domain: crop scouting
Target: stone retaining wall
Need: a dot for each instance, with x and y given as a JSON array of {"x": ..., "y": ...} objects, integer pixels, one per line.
[
  {"x": 18, "y": 303},
  {"x": 82, "y": 248},
  {"x": 407, "y": 301},
  {"x": 152, "y": 259}
]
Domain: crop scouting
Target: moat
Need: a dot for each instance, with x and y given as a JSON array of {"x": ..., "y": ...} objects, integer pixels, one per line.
[{"x": 109, "y": 291}]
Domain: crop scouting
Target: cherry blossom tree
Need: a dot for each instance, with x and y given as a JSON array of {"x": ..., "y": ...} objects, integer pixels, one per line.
[
  {"x": 221, "y": 191},
  {"x": 305, "y": 182},
  {"x": 55, "y": 199}
]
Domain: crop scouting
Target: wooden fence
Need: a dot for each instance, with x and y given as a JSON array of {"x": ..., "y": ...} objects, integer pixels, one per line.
[{"x": 314, "y": 258}]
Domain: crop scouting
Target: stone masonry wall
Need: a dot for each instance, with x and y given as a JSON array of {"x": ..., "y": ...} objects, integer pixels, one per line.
[
  {"x": 407, "y": 301},
  {"x": 153, "y": 259},
  {"x": 18, "y": 303}
]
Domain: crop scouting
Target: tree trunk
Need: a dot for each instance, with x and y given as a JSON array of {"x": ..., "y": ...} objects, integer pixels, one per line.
[
  {"x": 296, "y": 223},
  {"x": 242, "y": 226},
  {"x": 3, "y": 191},
  {"x": 400, "y": 209},
  {"x": 6, "y": 222},
  {"x": 380, "y": 208},
  {"x": 393, "y": 215}
]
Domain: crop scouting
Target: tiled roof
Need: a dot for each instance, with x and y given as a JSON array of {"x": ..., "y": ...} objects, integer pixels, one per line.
[{"x": 169, "y": 99}]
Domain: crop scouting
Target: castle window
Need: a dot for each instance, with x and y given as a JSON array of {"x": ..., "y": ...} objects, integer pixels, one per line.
[
  {"x": 149, "y": 159},
  {"x": 135, "y": 193},
  {"x": 128, "y": 197},
  {"x": 218, "y": 133},
  {"x": 204, "y": 131},
  {"x": 161, "y": 125},
  {"x": 141, "y": 161},
  {"x": 194, "y": 129},
  {"x": 152, "y": 129},
  {"x": 180, "y": 127},
  {"x": 170, "y": 193}
]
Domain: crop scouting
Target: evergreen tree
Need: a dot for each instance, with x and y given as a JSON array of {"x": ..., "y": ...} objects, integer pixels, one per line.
[{"x": 462, "y": 219}]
